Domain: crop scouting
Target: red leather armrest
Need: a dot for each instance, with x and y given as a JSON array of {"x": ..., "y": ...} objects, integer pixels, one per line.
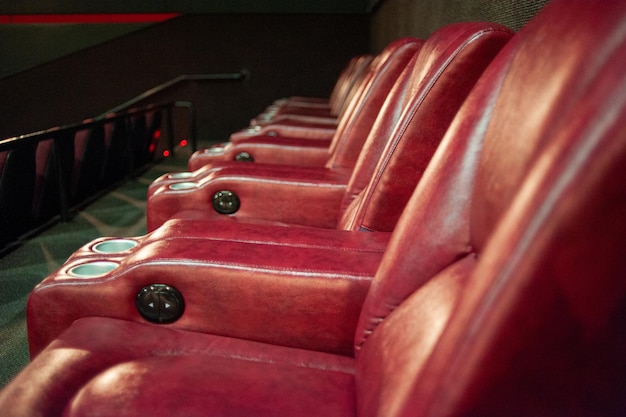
[
  {"x": 269, "y": 150},
  {"x": 206, "y": 171},
  {"x": 300, "y": 287},
  {"x": 305, "y": 196},
  {"x": 296, "y": 119},
  {"x": 301, "y": 130}
]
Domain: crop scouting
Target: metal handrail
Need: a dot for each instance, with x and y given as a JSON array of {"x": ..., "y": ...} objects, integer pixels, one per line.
[
  {"x": 123, "y": 111},
  {"x": 57, "y": 134},
  {"x": 116, "y": 112},
  {"x": 34, "y": 137},
  {"x": 231, "y": 76}
]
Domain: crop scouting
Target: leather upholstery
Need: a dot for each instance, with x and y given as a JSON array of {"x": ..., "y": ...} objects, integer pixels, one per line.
[
  {"x": 364, "y": 107},
  {"x": 448, "y": 66},
  {"x": 265, "y": 149},
  {"x": 189, "y": 241},
  {"x": 510, "y": 332},
  {"x": 215, "y": 376},
  {"x": 523, "y": 314},
  {"x": 259, "y": 184},
  {"x": 236, "y": 279},
  {"x": 409, "y": 127},
  {"x": 359, "y": 115}
]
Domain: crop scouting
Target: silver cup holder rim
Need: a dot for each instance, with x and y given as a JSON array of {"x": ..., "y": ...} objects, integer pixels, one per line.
[
  {"x": 180, "y": 175},
  {"x": 216, "y": 149},
  {"x": 93, "y": 269},
  {"x": 185, "y": 185},
  {"x": 112, "y": 246}
]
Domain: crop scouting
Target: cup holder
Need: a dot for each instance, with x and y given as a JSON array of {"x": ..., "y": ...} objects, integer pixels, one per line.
[
  {"x": 114, "y": 246},
  {"x": 216, "y": 149},
  {"x": 180, "y": 175},
  {"x": 187, "y": 185},
  {"x": 92, "y": 269}
]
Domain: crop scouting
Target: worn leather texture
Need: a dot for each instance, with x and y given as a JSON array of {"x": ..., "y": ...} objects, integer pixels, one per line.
[
  {"x": 519, "y": 311},
  {"x": 266, "y": 150},
  {"x": 361, "y": 109},
  {"x": 302, "y": 192},
  {"x": 411, "y": 122},
  {"x": 444, "y": 72},
  {"x": 528, "y": 324},
  {"x": 293, "y": 286},
  {"x": 295, "y": 150}
]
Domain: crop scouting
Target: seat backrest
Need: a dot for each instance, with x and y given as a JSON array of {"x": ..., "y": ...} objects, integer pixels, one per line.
[
  {"x": 3, "y": 157},
  {"x": 153, "y": 132},
  {"x": 138, "y": 137},
  {"x": 89, "y": 149},
  {"x": 17, "y": 183},
  {"x": 348, "y": 83},
  {"x": 508, "y": 297},
  {"x": 365, "y": 104},
  {"x": 45, "y": 173},
  {"x": 115, "y": 165},
  {"x": 47, "y": 193},
  {"x": 413, "y": 121}
]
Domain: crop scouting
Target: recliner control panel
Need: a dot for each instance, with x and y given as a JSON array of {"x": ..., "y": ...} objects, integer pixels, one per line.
[
  {"x": 160, "y": 303},
  {"x": 226, "y": 202}
]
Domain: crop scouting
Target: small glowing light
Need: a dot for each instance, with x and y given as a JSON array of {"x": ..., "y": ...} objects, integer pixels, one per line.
[
  {"x": 152, "y": 147},
  {"x": 183, "y": 142},
  {"x": 156, "y": 134},
  {"x": 166, "y": 153}
]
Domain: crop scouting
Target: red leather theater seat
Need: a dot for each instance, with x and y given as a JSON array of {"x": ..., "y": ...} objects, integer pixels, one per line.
[
  {"x": 408, "y": 128},
  {"x": 518, "y": 310},
  {"x": 338, "y": 252}
]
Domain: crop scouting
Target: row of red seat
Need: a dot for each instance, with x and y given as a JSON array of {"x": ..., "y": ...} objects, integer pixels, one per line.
[
  {"x": 378, "y": 152},
  {"x": 469, "y": 261}
]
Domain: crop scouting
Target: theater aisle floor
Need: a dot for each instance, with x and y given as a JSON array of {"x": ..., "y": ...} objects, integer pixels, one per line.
[{"x": 120, "y": 212}]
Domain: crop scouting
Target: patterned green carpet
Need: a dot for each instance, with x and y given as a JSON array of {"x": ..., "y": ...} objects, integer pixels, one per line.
[{"x": 120, "y": 213}]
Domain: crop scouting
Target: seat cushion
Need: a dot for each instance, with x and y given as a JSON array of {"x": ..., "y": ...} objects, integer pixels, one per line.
[
  {"x": 165, "y": 372},
  {"x": 300, "y": 287}
]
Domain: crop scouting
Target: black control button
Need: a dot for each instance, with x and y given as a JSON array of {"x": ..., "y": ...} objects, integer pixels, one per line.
[
  {"x": 160, "y": 303},
  {"x": 226, "y": 202},
  {"x": 244, "y": 157}
]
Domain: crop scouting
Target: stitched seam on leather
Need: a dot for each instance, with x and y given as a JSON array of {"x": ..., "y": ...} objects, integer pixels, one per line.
[
  {"x": 293, "y": 272},
  {"x": 262, "y": 242},
  {"x": 303, "y": 183},
  {"x": 405, "y": 123},
  {"x": 324, "y": 273},
  {"x": 389, "y": 62}
]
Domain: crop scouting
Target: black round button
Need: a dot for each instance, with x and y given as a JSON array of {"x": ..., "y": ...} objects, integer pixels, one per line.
[
  {"x": 226, "y": 202},
  {"x": 244, "y": 157},
  {"x": 160, "y": 303}
]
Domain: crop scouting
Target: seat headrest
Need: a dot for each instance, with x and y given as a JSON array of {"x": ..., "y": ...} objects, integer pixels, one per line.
[{"x": 545, "y": 71}]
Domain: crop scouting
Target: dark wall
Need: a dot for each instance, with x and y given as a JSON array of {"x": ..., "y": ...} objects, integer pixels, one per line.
[
  {"x": 396, "y": 18},
  {"x": 284, "y": 54},
  {"x": 24, "y": 46}
]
